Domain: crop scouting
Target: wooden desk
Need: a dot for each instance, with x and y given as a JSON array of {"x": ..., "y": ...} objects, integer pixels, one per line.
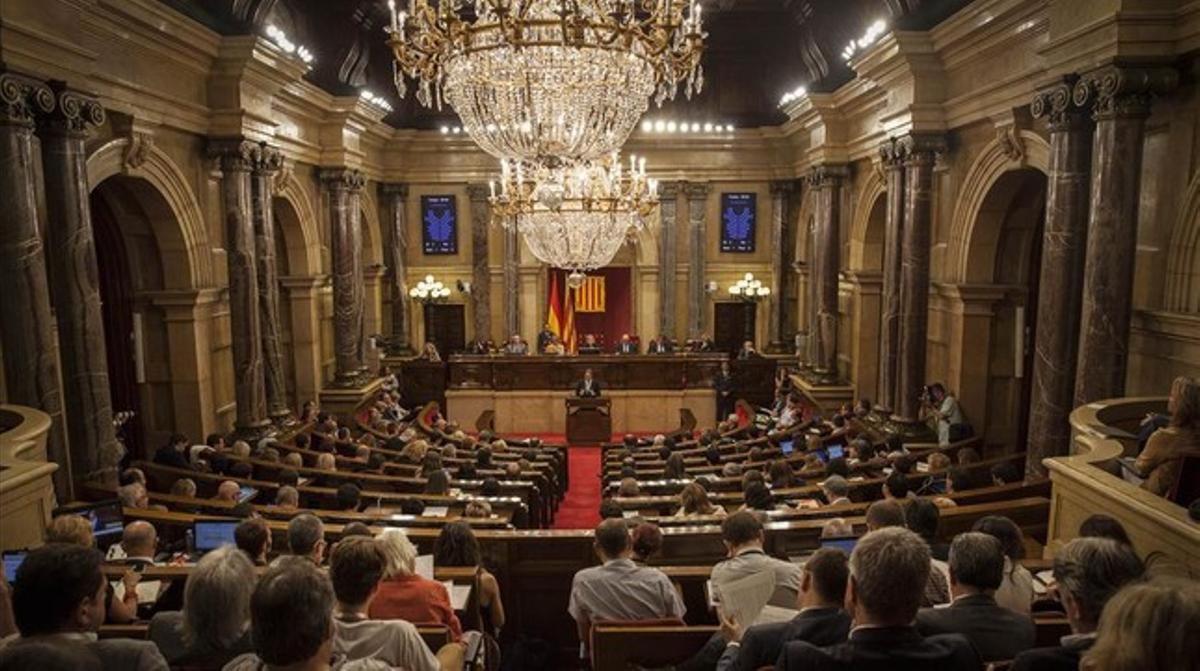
[{"x": 589, "y": 421}]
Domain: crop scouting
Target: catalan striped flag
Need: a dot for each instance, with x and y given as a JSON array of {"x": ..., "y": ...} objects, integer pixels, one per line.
[
  {"x": 590, "y": 296},
  {"x": 568, "y": 332}
]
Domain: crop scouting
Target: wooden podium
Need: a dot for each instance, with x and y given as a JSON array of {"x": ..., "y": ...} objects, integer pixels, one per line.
[{"x": 589, "y": 421}]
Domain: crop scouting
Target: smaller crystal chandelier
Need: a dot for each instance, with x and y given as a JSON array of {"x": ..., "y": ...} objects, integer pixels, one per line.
[
  {"x": 574, "y": 216},
  {"x": 429, "y": 290},
  {"x": 749, "y": 289}
]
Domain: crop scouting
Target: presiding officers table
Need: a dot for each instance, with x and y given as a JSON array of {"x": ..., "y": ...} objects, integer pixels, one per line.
[{"x": 528, "y": 393}]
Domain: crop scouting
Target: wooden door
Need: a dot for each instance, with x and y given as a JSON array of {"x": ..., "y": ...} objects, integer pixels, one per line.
[
  {"x": 446, "y": 326},
  {"x": 733, "y": 324}
]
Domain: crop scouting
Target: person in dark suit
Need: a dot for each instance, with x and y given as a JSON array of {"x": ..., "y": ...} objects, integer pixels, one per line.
[
  {"x": 723, "y": 384},
  {"x": 976, "y": 571},
  {"x": 821, "y": 621},
  {"x": 545, "y": 337},
  {"x": 587, "y": 387},
  {"x": 660, "y": 345},
  {"x": 627, "y": 345},
  {"x": 174, "y": 453},
  {"x": 589, "y": 345},
  {"x": 1088, "y": 571},
  {"x": 888, "y": 572}
]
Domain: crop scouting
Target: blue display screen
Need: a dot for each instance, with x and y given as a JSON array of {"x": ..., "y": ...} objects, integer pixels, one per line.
[
  {"x": 738, "y": 221},
  {"x": 439, "y": 224},
  {"x": 209, "y": 536}
]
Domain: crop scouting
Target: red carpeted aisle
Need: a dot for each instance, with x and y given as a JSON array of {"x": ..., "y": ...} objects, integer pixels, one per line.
[{"x": 580, "y": 508}]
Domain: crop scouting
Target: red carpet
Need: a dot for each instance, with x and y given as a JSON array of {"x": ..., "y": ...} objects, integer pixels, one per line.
[{"x": 580, "y": 508}]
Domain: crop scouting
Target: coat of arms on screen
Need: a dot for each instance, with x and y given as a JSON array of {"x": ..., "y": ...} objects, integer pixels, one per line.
[
  {"x": 439, "y": 225},
  {"x": 737, "y": 222}
]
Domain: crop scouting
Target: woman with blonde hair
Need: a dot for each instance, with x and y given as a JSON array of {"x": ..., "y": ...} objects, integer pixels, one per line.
[
  {"x": 693, "y": 500},
  {"x": 404, "y": 595},
  {"x": 1148, "y": 627},
  {"x": 414, "y": 452},
  {"x": 1162, "y": 458}
]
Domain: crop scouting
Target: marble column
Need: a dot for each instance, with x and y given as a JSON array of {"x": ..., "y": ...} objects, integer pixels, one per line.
[
  {"x": 394, "y": 200},
  {"x": 344, "y": 188},
  {"x": 1060, "y": 287},
  {"x": 826, "y": 181},
  {"x": 920, "y": 155},
  {"x": 892, "y": 157},
  {"x": 697, "y": 196},
  {"x": 236, "y": 158},
  {"x": 811, "y": 353},
  {"x": 781, "y": 264},
  {"x": 481, "y": 276},
  {"x": 1120, "y": 99},
  {"x": 512, "y": 281},
  {"x": 262, "y": 180},
  {"x": 668, "y": 193},
  {"x": 74, "y": 283},
  {"x": 27, "y": 335}
]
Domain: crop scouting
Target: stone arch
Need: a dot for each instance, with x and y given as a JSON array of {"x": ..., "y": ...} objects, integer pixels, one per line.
[
  {"x": 970, "y": 232},
  {"x": 1183, "y": 261},
  {"x": 298, "y": 221},
  {"x": 867, "y": 227},
  {"x": 183, "y": 242}
]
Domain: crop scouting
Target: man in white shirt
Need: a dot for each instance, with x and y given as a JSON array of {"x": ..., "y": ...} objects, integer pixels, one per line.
[
  {"x": 618, "y": 589},
  {"x": 356, "y": 566},
  {"x": 743, "y": 536}
]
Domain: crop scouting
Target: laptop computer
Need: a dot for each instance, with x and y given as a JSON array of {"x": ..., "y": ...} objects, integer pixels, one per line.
[
  {"x": 208, "y": 535},
  {"x": 843, "y": 543},
  {"x": 106, "y": 517}
]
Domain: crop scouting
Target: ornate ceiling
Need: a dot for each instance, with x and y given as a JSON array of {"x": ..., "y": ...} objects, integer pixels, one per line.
[{"x": 757, "y": 49}]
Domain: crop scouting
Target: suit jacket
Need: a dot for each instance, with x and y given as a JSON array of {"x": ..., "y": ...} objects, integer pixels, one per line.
[
  {"x": 627, "y": 348},
  {"x": 883, "y": 649},
  {"x": 1061, "y": 658},
  {"x": 723, "y": 383},
  {"x": 657, "y": 347},
  {"x": 996, "y": 632},
  {"x": 582, "y": 393},
  {"x": 762, "y": 643}
]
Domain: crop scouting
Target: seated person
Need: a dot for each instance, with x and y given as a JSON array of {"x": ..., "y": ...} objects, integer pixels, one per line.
[
  {"x": 747, "y": 351},
  {"x": 821, "y": 621},
  {"x": 1135, "y": 633},
  {"x": 554, "y": 347},
  {"x": 1016, "y": 589},
  {"x": 456, "y": 546},
  {"x": 627, "y": 345},
  {"x": 588, "y": 387},
  {"x": 836, "y": 490},
  {"x": 253, "y": 537},
  {"x": 589, "y": 346},
  {"x": 516, "y": 346},
  {"x": 138, "y": 546},
  {"x": 430, "y": 353},
  {"x": 1160, "y": 461},
  {"x": 619, "y": 590},
  {"x": 693, "y": 500},
  {"x": 306, "y": 538},
  {"x": 647, "y": 540},
  {"x": 888, "y": 572},
  {"x": 356, "y": 568},
  {"x": 77, "y": 530},
  {"x": 348, "y": 497},
  {"x": 58, "y": 598},
  {"x": 214, "y": 625},
  {"x": 660, "y": 345},
  {"x": 404, "y": 595},
  {"x": 743, "y": 536},
  {"x": 976, "y": 571},
  {"x": 174, "y": 453},
  {"x": 287, "y": 498},
  {"x": 1088, "y": 571}
]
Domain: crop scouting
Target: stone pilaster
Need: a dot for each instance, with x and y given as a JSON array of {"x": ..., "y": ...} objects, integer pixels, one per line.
[
  {"x": 394, "y": 200},
  {"x": 826, "y": 182},
  {"x": 481, "y": 277},
  {"x": 27, "y": 335},
  {"x": 920, "y": 153},
  {"x": 1120, "y": 99},
  {"x": 74, "y": 282},
  {"x": 262, "y": 179},
  {"x": 344, "y": 190},
  {"x": 892, "y": 155},
  {"x": 1060, "y": 287},
  {"x": 512, "y": 281},
  {"x": 778, "y": 331},
  {"x": 668, "y": 200},
  {"x": 697, "y": 196}
]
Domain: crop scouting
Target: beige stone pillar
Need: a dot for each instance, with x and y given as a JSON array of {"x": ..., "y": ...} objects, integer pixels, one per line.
[
  {"x": 667, "y": 253},
  {"x": 826, "y": 181},
  {"x": 697, "y": 306},
  {"x": 865, "y": 324},
  {"x": 973, "y": 309},
  {"x": 303, "y": 295},
  {"x": 262, "y": 181},
  {"x": 395, "y": 197},
  {"x": 481, "y": 277},
  {"x": 187, "y": 315},
  {"x": 779, "y": 334},
  {"x": 344, "y": 187}
]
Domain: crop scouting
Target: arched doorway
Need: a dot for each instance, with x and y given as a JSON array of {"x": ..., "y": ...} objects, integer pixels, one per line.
[
  {"x": 864, "y": 271},
  {"x": 1002, "y": 274},
  {"x": 129, "y": 262}
]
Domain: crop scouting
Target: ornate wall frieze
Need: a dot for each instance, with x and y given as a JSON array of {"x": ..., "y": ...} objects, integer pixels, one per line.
[
  {"x": 829, "y": 174},
  {"x": 922, "y": 148},
  {"x": 234, "y": 154},
  {"x": 268, "y": 161}
]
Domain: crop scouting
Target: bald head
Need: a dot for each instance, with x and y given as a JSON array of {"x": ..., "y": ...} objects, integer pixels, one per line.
[
  {"x": 228, "y": 491},
  {"x": 139, "y": 539}
]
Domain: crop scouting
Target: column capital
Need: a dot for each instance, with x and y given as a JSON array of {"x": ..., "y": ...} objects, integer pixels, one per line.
[
  {"x": 342, "y": 179},
  {"x": 1117, "y": 91},
  {"x": 478, "y": 192},
  {"x": 23, "y": 99},
  {"x": 782, "y": 186},
  {"x": 234, "y": 154},
  {"x": 828, "y": 174},
  {"x": 697, "y": 190},
  {"x": 1057, "y": 104},
  {"x": 394, "y": 190},
  {"x": 892, "y": 154},
  {"x": 668, "y": 190},
  {"x": 268, "y": 161},
  {"x": 921, "y": 148},
  {"x": 74, "y": 112}
]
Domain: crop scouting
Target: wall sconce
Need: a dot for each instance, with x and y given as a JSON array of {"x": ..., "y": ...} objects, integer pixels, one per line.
[
  {"x": 710, "y": 287},
  {"x": 463, "y": 286}
]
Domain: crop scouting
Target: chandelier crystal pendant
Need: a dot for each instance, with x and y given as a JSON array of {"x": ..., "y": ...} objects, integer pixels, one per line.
[
  {"x": 535, "y": 80},
  {"x": 574, "y": 216}
]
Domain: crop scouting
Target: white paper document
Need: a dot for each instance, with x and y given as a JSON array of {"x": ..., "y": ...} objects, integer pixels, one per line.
[
  {"x": 744, "y": 598},
  {"x": 147, "y": 590},
  {"x": 423, "y": 566},
  {"x": 436, "y": 511}
]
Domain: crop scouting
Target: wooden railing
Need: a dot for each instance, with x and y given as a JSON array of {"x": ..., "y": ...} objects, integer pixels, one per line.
[
  {"x": 26, "y": 488},
  {"x": 1088, "y": 482}
]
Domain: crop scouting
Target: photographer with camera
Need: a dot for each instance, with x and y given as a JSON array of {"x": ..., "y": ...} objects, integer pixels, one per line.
[{"x": 943, "y": 409}]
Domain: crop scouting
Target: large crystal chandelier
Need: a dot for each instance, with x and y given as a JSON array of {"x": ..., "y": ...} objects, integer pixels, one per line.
[
  {"x": 548, "y": 79},
  {"x": 575, "y": 216}
]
